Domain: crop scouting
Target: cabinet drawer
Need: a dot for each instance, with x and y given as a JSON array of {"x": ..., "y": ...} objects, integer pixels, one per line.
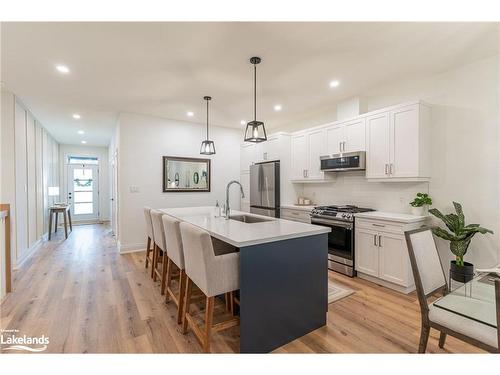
[
  {"x": 296, "y": 215},
  {"x": 380, "y": 225}
]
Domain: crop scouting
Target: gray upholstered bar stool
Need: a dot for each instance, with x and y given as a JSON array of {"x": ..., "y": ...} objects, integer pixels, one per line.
[
  {"x": 160, "y": 248},
  {"x": 150, "y": 238},
  {"x": 175, "y": 260},
  {"x": 213, "y": 275}
]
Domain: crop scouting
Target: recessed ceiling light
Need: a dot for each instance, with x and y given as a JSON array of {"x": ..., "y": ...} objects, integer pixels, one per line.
[
  {"x": 190, "y": 114},
  {"x": 84, "y": 142},
  {"x": 277, "y": 107},
  {"x": 62, "y": 69},
  {"x": 81, "y": 132},
  {"x": 334, "y": 83},
  {"x": 243, "y": 122},
  {"x": 76, "y": 116}
]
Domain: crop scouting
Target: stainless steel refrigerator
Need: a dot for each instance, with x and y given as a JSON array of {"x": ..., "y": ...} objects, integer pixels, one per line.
[{"x": 265, "y": 189}]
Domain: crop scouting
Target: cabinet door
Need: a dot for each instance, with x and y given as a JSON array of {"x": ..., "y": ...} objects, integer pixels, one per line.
[
  {"x": 270, "y": 149},
  {"x": 334, "y": 139},
  {"x": 247, "y": 156},
  {"x": 355, "y": 136},
  {"x": 393, "y": 259},
  {"x": 366, "y": 252},
  {"x": 377, "y": 146},
  {"x": 299, "y": 151},
  {"x": 317, "y": 148},
  {"x": 404, "y": 142}
]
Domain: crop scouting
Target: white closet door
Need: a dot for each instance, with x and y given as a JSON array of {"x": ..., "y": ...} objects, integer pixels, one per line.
[
  {"x": 39, "y": 179},
  {"x": 21, "y": 182}
]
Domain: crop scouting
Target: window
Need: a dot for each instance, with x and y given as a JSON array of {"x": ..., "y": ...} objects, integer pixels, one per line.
[{"x": 82, "y": 160}]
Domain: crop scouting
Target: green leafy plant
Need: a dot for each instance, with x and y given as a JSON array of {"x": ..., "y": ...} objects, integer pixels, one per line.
[
  {"x": 421, "y": 199},
  {"x": 459, "y": 234}
]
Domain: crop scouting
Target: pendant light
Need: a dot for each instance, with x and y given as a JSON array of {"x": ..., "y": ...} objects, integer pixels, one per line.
[
  {"x": 255, "y": 131},
  {"x": 207, "y": 146}
]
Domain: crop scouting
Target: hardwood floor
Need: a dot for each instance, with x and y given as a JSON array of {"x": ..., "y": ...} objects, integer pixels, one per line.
[{"x": 87, "y": 298}]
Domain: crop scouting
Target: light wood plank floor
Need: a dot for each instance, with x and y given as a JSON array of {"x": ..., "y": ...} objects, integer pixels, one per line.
[{"x": 89, "y": 299}]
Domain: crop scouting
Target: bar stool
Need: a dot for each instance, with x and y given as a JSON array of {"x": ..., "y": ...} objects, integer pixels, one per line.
[
  {"x": 175, "y": 259},
  {"x": 160, "y": 248},
  {"x": 213, "y": 275},
  {"x": 150, "y": 238}
]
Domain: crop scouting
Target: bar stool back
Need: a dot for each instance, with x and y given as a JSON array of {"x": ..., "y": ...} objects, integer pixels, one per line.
[
  {"x": 160, "y": 248},
  {"x": 150, "y": 238}
]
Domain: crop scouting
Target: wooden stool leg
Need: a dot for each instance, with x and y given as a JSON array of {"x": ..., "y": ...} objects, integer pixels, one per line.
[
  {"x": 187, "y": 303},
  {"x": 226, "y": 299},
  {"x": 209, "y": 315},
  {"x": 65, "y": 224},
  {"x": 168, "y": 279},
  {"x": 231, "y": 303},
  {"x": 69, "y": 219},
  {"x": 155, "y": 259},
  {"x": 164, "y": 269},
  {"x": 148, "y": 249},
  {"x": 182, "y": 292},
  {"x": 57, "y": 219},
  {"x": 50, "y": 223}
]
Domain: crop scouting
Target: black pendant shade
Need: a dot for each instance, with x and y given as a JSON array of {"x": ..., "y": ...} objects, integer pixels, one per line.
[
  {"x": 255, "y": 131},
  {"x": 207, "y": 146}
]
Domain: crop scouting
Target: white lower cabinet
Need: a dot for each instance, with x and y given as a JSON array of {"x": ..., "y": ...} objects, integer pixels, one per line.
[
  {"x": 381, "y": 254},
  {"x": 296, "y": 215}
]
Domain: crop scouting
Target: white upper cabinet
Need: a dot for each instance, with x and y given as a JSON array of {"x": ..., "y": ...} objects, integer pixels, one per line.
[
  {"x": 247, "y": 156},
  {"x": 317, "y": 148},
  {"x": 299, "y": 156},
  {"x": 269, "y": 150},
  {"x": 346, "y": 137},
  {"x": 398, "y": 144}
]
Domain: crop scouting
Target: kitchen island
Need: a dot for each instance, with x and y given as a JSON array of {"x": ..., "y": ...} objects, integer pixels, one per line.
[{"x": 283, "y": 274}]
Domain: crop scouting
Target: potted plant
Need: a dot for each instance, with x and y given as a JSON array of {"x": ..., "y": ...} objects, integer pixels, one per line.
[
  {"x": 420, "y": 203},
  {"x": 460, "y": 236}
]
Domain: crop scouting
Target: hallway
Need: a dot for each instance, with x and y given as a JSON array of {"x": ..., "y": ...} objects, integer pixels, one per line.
[{"x": 87, "y": 298}]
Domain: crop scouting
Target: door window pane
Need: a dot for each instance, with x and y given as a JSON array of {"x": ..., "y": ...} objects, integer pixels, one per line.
[
  {"x": 84, "y": 197},
  {"x": 84, "y": 208}
]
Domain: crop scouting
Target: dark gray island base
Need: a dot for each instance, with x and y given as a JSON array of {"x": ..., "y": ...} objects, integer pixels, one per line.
[{"x": 283, "y": 291}]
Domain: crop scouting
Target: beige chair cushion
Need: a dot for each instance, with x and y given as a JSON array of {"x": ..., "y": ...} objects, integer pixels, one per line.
[
  {"x": 214, "y": 275},
  {"x": 158, "y": 231},
  {"x": 173, "y": 240},
  {"x": 149, "y": 223},
  {"x": 465, "y": 326}
]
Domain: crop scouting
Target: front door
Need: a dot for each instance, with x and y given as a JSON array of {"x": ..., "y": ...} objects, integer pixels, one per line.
[{"x": 83, "y": 191}]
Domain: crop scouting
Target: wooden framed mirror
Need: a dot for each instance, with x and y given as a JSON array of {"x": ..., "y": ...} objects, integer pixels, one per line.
[{"x": 185, "y": 174}]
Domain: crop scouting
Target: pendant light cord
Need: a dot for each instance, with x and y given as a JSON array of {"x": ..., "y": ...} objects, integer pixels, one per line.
[
  {"x": 255, "y": 92},
  {"x": 207, "y": 119}
]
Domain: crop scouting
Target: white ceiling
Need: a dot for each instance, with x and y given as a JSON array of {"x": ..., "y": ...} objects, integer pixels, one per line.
[{"x": 165, "y": 69}]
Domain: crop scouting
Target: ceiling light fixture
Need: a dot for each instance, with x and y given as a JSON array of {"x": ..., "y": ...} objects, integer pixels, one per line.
[
  {"x": 190, "y": 114},
  {"x": 76, "y": 116},
  {"x": 334, "y": 83},
  {"x": 255, "y": 131},
  {"x": 207, "y": 146},
  {"x": 81, "y": 132},
  {"x": 84, "y": 142},
  {"x": 62, "y": 69},
  {"x": 277, "y": 107}
]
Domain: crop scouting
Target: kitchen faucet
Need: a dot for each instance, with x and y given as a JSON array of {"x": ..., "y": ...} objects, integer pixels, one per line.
[{"x": 226, "y": 208}]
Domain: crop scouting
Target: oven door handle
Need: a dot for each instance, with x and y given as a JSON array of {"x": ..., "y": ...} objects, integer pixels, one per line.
[{"x": 331, "y": 223}]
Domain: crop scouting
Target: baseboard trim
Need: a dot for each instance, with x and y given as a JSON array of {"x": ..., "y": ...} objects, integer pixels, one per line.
[
  {"x": 29, "y": 253},
  {"x": 130, "y": 248}
]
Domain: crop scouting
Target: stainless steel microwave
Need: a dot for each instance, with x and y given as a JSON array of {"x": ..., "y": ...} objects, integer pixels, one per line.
[{"x": 348, "y": 161}]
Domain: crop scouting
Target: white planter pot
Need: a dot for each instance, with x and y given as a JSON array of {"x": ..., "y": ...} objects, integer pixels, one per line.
[{"x": 419, "y": 211}]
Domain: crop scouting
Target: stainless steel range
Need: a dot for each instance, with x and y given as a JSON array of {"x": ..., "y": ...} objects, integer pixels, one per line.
[{"x": 341, "y": 239}]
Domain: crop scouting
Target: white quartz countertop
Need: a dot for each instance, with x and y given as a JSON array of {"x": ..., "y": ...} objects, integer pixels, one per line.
[
  {"x": 241, "y": 234},
  {"x": 297, "y": 207},
  {"x": 391, "y": 216}
]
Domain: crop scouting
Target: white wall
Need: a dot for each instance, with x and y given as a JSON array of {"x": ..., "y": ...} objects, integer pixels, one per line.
[
  {"x": 88, "y": 151},
  {"x": 141, "y": 143},
  {"x": 465, "y": 153}
]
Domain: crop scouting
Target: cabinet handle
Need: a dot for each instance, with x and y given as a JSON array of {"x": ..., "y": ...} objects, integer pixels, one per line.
[
  {"x": 380, "y": 240},
  {"x": 386, "y": 169},
  {"x": 375, "y": 240},
  {"x": 378, "y": 225},
  {"x": 343, "y": 146},
  {"x": 391, "y": 169}
]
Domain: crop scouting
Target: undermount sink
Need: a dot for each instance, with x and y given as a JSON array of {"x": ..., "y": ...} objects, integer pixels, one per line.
[{"x": 248, "y": 219}]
